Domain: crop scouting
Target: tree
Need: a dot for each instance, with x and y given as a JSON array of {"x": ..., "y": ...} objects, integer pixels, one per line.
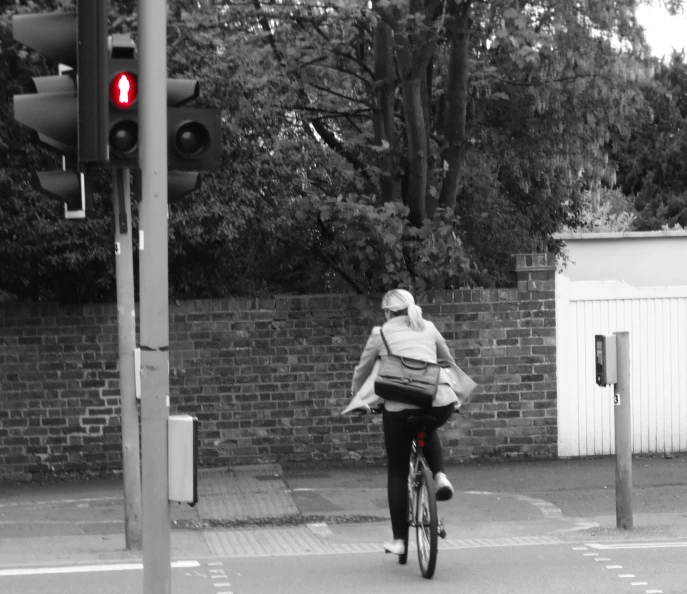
[
  {"x": 404, "y": 142},
  {"x": 651, "y": 158}
]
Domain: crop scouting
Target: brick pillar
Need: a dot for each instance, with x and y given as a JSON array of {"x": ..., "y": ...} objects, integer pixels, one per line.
[{"x": 535, "y": 272}]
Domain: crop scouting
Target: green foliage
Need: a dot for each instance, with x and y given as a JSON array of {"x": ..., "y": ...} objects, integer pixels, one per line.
[
  {"x": 605, "y": 211},
  {"x": 651, "y": 160},
  {"x": 299, "y": 204},
  {"x": 375, "y": 248}
]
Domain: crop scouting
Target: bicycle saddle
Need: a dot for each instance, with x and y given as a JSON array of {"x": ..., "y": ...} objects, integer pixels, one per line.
[{"x": 418, "y": 422}]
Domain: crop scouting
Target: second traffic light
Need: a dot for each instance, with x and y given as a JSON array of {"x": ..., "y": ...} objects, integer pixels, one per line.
[
  {"x": 122, "y": 93},
  {"x": 193, "y": 134}
]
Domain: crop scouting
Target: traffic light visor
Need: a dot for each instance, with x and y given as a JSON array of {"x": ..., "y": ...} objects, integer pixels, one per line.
[{"x": 124, "y": 90}]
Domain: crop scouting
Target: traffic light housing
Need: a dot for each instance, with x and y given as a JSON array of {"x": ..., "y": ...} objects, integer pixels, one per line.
[
  {"x": 61, "y": 109},
  {"x": 193, "y": 134},
  {"x": 193, "y": 139},
  {"x": 121, "y": 93}
]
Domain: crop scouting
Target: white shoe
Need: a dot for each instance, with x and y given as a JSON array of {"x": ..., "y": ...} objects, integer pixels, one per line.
[
  {"x": 444, "y": 487},
  {"x": 396, "y": 547}
]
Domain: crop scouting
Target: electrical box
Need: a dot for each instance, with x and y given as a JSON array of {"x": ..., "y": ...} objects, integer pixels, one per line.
[
  {"x": 606, "y": 360},
  {"x": 182, "y": 440}
]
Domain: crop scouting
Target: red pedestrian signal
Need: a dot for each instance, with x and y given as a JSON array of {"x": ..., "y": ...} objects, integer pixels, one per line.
[{"x": 124, "y": 90}]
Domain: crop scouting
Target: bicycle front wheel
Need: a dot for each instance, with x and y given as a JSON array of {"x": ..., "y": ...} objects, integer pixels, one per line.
[{"x": 427, "y": 524}]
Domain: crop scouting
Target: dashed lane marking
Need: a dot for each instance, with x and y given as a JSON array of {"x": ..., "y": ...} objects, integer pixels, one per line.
[{"x": 623, "y": 576}]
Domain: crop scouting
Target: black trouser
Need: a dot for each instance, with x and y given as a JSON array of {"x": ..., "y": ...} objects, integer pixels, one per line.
[{"x": 398, "y": 440}]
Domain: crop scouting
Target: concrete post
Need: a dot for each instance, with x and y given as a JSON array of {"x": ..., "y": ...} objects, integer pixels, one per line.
[{"x": 623, "y": 434}]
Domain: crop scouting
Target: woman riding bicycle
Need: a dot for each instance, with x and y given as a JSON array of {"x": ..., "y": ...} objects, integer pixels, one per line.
[{"x": 408, "y": 335}]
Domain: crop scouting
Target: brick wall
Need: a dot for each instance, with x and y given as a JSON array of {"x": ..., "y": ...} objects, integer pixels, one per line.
[{"x": 268, "y": 377}]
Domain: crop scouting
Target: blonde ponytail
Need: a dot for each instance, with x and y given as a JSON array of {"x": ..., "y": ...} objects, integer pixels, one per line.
[
  {"x": 415, "y": 317},
  {"x": 398, "y": 300}
]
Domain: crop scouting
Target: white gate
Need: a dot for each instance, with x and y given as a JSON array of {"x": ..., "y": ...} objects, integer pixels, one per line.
[{"x": 656, "y": 319}]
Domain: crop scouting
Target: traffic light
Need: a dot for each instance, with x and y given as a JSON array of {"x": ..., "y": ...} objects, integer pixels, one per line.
[
  {"x": 193, "y": 134},
  {"x": 121, "y": 93},
  {"x": 194, "y": 139},
  {"x": 51, "y": 109},
  {"x": 61, "y": 109}
]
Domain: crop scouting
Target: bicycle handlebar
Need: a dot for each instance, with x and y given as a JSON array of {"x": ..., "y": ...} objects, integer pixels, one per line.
[{"x": 377, "y": 409}]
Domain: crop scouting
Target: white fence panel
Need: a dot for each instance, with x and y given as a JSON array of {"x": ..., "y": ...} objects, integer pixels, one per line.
[{"x": 656, "y": 319}]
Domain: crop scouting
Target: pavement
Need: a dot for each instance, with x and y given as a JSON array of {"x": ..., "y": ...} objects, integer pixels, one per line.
[{"x": 270, "y": 510}]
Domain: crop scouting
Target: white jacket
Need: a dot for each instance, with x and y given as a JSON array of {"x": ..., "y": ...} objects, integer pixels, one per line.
[{"x": 426, "y": 345}]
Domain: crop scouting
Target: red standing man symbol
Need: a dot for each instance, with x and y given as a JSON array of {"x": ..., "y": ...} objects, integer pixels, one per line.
[{"x": 124, "y": 88}]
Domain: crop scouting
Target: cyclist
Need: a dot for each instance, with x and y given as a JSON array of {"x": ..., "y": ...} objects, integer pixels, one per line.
[{"x": 409, "y": 335}]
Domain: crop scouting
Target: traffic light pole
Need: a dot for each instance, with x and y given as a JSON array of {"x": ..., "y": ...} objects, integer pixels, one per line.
[
  {"x": 154, "y": 340},
  {"x": 126, "y": 314}
]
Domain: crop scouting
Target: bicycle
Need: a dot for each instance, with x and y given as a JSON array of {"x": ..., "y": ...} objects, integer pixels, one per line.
[{"x": 422, "y": 501}]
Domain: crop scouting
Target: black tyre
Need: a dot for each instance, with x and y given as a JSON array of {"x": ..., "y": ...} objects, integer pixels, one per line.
[{"x": 427, "y": 524}]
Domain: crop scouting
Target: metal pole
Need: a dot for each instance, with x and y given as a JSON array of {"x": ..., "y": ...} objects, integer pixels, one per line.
[
  {"x": 623, "y": 435},
  {"x": 154, "y": 341},
  {"x": 126, "y": 315}
]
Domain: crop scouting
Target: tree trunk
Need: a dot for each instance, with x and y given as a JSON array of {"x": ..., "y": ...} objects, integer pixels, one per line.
[
  {"x": 457, "y": 25},
  {"x": 384, "y": 113},
  {"x": 431, "y": 197},
  {"x": 416, "y": 134}
]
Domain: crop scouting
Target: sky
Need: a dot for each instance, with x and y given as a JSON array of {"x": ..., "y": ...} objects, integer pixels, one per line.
[{"x": 662, "y": 30}]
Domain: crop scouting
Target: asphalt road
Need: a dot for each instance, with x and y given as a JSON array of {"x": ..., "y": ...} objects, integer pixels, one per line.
[{"x": 561, "y": 569}]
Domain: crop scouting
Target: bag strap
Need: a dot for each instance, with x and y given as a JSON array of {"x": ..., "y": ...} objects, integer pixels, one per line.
[{"x": 386, "y": 344}]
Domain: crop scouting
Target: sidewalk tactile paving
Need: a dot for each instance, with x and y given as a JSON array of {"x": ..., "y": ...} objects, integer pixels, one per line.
[
  {"x": 279, "y": 542},
  {"x": 239, "y": 493}
]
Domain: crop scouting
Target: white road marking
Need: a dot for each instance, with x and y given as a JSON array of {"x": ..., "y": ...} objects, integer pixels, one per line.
[
  {"x": 579, "y": 548},
  {"x": 547, "y": 509},
  {"x": 602, "y": 559},
  {"x": 614, "y": 566},
  {"x": 590, "y": 554},
  {"x": 57, "y": 522},
  {"x": 654, "y": 591},
  {"x": 28, "y": 503},
  {"x": 640, "y": 583},
  {"x": 639, "y": 545},
  {"x": 626, "y": 575},
  {"x": 86, "y": 568}
]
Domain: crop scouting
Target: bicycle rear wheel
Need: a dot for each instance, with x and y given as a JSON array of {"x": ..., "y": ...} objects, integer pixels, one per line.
[{"x": 427, "y": 524}]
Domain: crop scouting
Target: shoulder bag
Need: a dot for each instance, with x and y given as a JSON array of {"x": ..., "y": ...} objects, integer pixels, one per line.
[{"x": 406, "y": 380}]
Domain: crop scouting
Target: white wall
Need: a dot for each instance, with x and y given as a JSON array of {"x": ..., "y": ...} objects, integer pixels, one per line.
[
  {"x": 634, "y": 282},
  {"x": 640, "y": 259}
]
